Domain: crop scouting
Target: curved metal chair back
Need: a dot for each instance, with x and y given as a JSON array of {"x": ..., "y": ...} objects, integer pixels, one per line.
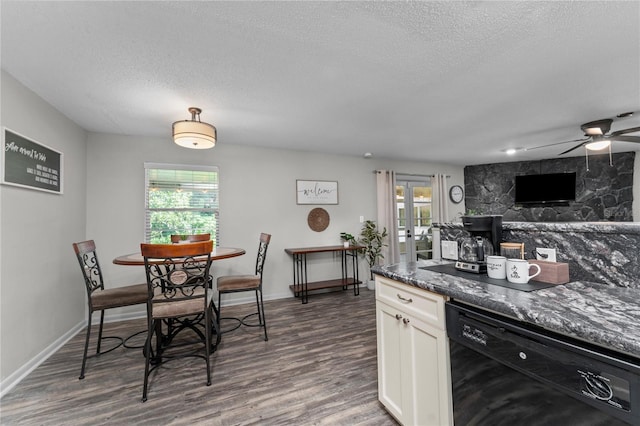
[
  {"x": 90, "y": 266},
  {"x": 265, "y": 239}
]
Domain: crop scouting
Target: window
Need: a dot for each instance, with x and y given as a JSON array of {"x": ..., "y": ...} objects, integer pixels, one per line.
[{"x": 180, "y": 200}]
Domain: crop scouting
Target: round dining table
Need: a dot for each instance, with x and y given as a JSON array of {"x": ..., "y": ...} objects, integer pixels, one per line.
[
  {"x": 218, "y": 253},
  {"x": 137, "y": 259}
]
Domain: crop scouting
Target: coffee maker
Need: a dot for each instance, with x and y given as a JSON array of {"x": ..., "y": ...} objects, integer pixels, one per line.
[{"x": 485, "y": 236}]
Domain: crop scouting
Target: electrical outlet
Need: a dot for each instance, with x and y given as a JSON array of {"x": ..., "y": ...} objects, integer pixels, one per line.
[
  {"x": 449, "y": 250},
  {"x": 548, "y": 254}
]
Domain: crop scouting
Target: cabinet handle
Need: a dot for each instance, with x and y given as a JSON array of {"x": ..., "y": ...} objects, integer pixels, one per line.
[
  {"x": 403, "y": 299},
  {"x": 398, "y": 316},
  {"x": 406, "y": 320}
]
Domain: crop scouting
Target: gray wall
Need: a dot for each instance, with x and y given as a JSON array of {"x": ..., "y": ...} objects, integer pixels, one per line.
[
  {"x": 41, "y": 299},
  {"x": 41, "y": 290},
  {"x": 600, "y": 252},
  {"x": 257, "y": 194},
  {"x": 603, "y": 193}
]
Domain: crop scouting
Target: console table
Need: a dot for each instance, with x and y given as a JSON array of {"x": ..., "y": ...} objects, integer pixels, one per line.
[{"x": 301, "y": 286}]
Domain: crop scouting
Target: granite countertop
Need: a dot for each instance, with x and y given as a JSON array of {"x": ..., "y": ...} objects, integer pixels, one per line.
[{"x": 603, "y": 315}]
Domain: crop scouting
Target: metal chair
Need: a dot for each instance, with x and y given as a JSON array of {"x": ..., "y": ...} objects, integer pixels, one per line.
[
  {"x": 237, "y": 283},
  {"x": 179, "y": 294},
  {"x": 101, "y": 299},
  {"x": 176, "y": 238}
]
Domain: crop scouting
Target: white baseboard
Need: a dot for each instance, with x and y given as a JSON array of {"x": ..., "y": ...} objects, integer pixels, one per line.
[
  {"x": 13, "y": 379},
  {"x": 17, "y": 376}
]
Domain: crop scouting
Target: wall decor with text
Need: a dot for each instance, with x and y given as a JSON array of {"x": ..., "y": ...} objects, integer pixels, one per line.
[
  {"x": 316, "y": 192},
  {"x": 29, "y": 164}
]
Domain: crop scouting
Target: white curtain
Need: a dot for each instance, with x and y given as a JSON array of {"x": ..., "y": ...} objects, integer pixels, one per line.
[
  {"x": 387, "y": 213},
  {"x": 439, "y": 193}
]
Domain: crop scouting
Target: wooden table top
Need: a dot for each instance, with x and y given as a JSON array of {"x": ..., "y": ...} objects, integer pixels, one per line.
[
  {"x": 321, "y": 249},
  {"x": 218, "y": 253}
]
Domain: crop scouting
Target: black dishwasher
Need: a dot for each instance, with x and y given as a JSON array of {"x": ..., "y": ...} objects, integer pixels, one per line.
[{"x": 505, "y": 372}]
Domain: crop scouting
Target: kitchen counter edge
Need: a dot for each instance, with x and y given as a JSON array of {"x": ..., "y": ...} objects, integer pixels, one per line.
[{"x": 606, "y": 316}]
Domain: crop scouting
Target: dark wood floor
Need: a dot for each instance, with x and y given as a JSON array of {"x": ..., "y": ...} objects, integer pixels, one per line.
[{"x": 318, "y": 367}]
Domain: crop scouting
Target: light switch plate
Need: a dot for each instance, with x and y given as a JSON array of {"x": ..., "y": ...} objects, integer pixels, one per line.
[{"x": 449, "y": 250}]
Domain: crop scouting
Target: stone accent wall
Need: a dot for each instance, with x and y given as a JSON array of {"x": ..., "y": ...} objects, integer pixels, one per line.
[
  {"x": 603, "y": 193},
  {"x": 605, "y": 253}
]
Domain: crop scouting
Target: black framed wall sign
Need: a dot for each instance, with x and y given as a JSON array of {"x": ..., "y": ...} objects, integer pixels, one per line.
[{"x": 29, "y": 164}]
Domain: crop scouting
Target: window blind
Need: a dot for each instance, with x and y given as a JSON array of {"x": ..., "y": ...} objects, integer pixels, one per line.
[{"x": 180, "y": 199}]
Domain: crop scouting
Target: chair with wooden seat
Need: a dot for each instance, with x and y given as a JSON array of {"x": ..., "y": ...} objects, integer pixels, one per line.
[
  {"x": 101, "y": 299},
  {"x": 177, "y": 238},
  {"x": 239, "y": 283},
  {"x": 178, "y": 294}
]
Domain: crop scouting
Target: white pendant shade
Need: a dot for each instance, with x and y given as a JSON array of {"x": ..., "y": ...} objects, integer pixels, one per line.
[
  {"x": 194, "y": 134},
  {"x": 598, "y": 145}
]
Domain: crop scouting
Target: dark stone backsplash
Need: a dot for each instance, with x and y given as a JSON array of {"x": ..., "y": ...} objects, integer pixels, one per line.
[
  {"x": 603, "y": 193},
  {"x": 600, "y": 252}
]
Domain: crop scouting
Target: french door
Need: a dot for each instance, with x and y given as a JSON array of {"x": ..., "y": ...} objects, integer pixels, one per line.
[{"x": 413, "y": 203}]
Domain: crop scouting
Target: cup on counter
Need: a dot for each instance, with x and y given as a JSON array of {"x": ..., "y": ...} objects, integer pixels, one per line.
[
  {"x": 518, "y": 271},
  {"x": 497, "y": 267}
]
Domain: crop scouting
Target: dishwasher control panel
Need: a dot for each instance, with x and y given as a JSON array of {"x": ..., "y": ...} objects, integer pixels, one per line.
[{"x": 474, "y": 334}]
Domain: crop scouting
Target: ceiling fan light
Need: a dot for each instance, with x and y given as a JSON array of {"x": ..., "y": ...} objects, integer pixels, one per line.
[
  {"x": 598, "y": 145},
  {"x": 593, "y": 131},
  {"x": 194, "y": 134}
]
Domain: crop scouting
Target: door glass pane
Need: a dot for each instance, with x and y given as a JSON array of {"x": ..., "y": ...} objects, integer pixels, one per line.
[
  {"x": 402, "y": 220},
  {"x": 413, "y": 204},
  {"x": 422, "y": 222}
]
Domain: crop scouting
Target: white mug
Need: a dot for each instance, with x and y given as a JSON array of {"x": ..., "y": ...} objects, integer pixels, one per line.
[
  {"x": 518, "y": 271},
  {"x": 497, "y": 267}
]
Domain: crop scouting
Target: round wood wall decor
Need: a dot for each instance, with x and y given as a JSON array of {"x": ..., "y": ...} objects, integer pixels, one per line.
[{"x": 318, "y": 219}]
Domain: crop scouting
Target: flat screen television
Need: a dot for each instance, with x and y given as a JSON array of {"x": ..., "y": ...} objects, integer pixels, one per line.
[{"x": 550, "y": 188}]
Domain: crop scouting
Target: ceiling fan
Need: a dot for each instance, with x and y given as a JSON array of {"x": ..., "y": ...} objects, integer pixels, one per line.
[{"x": 597, "y": 135}]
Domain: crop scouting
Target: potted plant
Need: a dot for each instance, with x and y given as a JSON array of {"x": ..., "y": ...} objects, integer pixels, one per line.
[
  {"x": 348, "y": 239},
  {"x": 372, "y": 239}
]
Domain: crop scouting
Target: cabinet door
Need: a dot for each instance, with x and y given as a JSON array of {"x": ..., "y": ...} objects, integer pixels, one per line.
[
  {"x": 389, "y": 335},
  {"x": 429, "y": 374}
]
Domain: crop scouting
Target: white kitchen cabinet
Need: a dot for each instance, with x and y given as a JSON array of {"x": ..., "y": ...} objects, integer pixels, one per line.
[{"x": 414, "y": 380}]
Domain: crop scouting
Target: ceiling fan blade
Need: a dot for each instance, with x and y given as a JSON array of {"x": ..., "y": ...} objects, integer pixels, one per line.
[
  {"x": 557, "y": 143},
  {"x": 623, "y": 131},
  {"x": 627, "y": 139},
  {"x": 575, "y": 147}
]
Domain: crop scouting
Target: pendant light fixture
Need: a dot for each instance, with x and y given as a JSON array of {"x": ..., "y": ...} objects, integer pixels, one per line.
[
  {"x": 598, "y": 143},
  {"x": 194, "y": 133}
]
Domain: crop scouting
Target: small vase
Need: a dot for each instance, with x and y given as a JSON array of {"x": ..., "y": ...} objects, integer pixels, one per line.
[{"x": 346, "y": 244}]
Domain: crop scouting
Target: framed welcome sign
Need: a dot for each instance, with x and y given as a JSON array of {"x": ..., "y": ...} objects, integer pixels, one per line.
[{"x": 316, "y": 192}]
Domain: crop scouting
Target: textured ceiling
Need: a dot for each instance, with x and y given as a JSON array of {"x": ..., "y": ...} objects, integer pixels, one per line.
[{"x": 453, "y": 82}]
